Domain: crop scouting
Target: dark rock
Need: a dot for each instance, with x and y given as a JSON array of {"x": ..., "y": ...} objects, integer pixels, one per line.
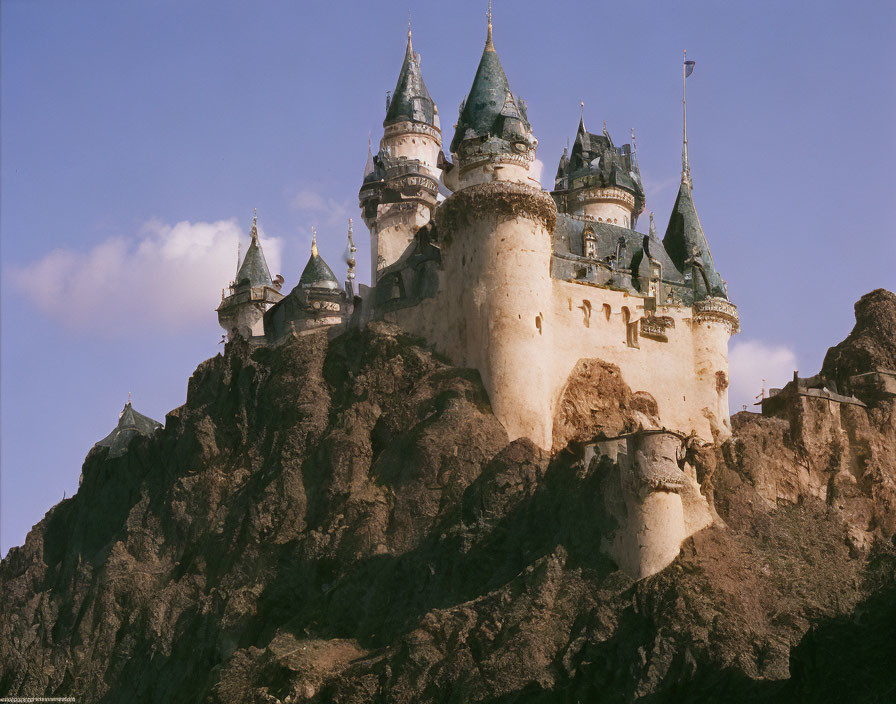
[{"x": 344, "y": 520}]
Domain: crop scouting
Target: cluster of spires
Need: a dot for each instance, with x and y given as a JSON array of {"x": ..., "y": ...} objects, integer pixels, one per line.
[
  {"x": 253, "y": 268},
  {"x": 477, "y": 113}
]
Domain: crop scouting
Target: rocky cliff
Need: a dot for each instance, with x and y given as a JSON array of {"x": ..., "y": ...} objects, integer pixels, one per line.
[{"x": 343, "y": 520}]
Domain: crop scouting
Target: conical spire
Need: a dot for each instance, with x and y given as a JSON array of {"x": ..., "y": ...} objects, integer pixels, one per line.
[
  {"x": 369, "y": 167},
  {"x": 254, "y": 269},
  {"x": 487, "y": 96},
  {"x": 686, "y": 244},
  {"x": 411, "y": 100},
  {"x": 316, "y": 273}
]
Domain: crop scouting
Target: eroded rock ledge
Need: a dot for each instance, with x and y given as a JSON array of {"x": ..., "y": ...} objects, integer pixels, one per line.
[{"x": 344, "y": 521}]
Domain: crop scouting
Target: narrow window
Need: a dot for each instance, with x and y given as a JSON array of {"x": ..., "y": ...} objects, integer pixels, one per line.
[{"x": 586, "y": 309}]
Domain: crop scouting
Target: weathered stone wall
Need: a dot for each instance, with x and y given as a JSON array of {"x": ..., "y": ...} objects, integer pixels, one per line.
[
  {"x": 411, "y": 140},
  {"x": 500, "y": 312}
]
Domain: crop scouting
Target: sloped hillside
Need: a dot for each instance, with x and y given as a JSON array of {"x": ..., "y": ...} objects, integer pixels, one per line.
[{"x": 344, "y": 521}]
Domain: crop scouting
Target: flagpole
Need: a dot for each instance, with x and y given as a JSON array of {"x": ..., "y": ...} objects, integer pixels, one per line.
[{"x": 685, "y": 166}]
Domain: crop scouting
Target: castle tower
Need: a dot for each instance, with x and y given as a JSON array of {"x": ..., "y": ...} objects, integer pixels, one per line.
[
  {"x": 497, "y": 260},
  {"x": 317, "y": 301},
  {"x": 251, "y": 293},
  {"x": 401, "y": 181},
  {"x": 715, "y": 318},
  {"x": 599, "y": 181}
]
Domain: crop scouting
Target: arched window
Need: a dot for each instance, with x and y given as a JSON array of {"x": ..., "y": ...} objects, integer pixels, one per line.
[
  {"x": 631, "y": 328},
  {"x": 586, "y": 309}
]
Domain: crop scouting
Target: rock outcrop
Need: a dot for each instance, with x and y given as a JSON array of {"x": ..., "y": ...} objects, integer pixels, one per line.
[{"x": 344, "y": 520}]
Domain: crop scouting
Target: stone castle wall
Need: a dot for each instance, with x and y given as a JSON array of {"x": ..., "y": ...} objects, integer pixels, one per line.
[{"x": 499, "y": 311}]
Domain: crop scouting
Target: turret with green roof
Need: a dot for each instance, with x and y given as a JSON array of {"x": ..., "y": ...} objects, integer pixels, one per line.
[
  {"x": 492, "y": 120},
  {"x": 250, "y": 294},
  {"x": 411, "y": 101}
]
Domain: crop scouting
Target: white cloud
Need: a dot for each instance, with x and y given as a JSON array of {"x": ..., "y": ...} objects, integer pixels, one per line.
[
  {"x": 161, "y": 279},
  {"x": 751, "y": 361}
]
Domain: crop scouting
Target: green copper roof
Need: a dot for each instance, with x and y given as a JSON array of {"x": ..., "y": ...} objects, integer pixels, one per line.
[
  {"x": 254, "y": 269},
  {"x": 595, "y": 160},
  {"x": 489, "y": 107},
  {"x": 317, "y": 274},
  {"x": 685, "y": 241},
  {"x": 411, "y": 100},
  {"x": 130, "y": 424}
]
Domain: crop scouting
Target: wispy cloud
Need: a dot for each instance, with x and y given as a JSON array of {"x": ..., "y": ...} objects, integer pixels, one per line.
[
  {"x": 322, "y": 211},
  {"x": 163, "y": 278},
  {"x": 751, "y": 361}
]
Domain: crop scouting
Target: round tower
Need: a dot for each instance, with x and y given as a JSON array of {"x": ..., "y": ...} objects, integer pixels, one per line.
[
  {"x": 496, "y": 254},
  {"x": 715, "y": 321},
  {"x": 401, "y": 181},
  {"x": 251, "y": 293},
  {"x": 600, "y": 181}
]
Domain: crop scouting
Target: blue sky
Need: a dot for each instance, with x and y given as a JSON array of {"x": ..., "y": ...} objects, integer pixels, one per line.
[{"x": 137, "y": 138}]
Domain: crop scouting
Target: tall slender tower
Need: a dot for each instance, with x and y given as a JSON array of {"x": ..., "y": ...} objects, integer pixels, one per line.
[
  {"x": 715, "y": 317},
  {"x": 252, "y": 292},
  {"x": 401, "y": 181},
  {"x": 497, "y": 260}
]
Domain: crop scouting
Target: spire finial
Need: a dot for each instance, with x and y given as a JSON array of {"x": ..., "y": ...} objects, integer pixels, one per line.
[
  {"x": 351, "y": 252},
  {"x": 652, "y": 230},
  {"x": 410, "y": 46},
  {"x": 686, "y": 68},
  {"x": 488, "y": 40},
  {"x": 313, "y": 241},
  {"x": 129, "y": 398},
  {"x": 254, "y": 232}
]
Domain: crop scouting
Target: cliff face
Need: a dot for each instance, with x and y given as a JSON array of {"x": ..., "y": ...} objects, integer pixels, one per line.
[{"x": 344, "y": 521}]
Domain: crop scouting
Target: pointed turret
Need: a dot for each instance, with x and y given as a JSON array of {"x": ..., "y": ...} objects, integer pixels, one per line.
[
  {"x": 410, "y": 100},
  {"x": 130, "y": 424},
  {"x": 316, "y": 273},
  {"x": 599, "y": 180},
  {"x": 254, "y": 269},
  {"x": 493, "y": 126},
  {"x": 401, "y": 181},
  {"x": 316, "y": 301},
  {"x": 250, "y": 294},
  {"x": 688, "y": 249}
]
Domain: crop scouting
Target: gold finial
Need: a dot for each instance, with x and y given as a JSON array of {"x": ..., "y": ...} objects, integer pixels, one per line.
[
  {"x": 313, "y": 241},
  {"x": 488, "y": 40},
  {"x": 409, "y": 24}
]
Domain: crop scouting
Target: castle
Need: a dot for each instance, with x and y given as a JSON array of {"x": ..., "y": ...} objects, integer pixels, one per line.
[{"x": 529, "y": 287}]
